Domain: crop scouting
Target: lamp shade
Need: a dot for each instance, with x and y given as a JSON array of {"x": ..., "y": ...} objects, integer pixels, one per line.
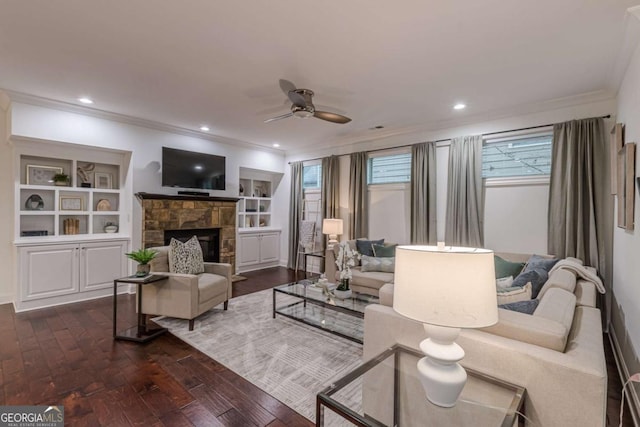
[
  {"x": 332, "y": 226},
  {"x": 453, "y": 287}
]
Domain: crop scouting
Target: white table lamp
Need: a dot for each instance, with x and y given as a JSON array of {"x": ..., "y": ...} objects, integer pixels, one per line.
[
  {"x": 446, "y": 288},
  {"x": 332, "y": 227}
]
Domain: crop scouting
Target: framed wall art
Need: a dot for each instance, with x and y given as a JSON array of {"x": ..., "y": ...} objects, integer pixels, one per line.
[
  {"x": 103, "y": 180},
  {"x": 68, "y": 203},
  {"x": 626, "y": 177},
  {"x": 41, "y": 175},
  {"x": 615, "y": 144}
]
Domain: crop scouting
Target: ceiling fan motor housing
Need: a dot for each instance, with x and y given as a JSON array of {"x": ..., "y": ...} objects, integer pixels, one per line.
[{"x": 303, "y": 111}]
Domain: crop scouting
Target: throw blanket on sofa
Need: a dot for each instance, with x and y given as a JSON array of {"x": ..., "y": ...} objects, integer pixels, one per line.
[{"x": 580, "y": 270}]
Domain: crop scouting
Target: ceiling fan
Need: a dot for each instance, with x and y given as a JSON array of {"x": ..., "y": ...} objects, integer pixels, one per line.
[{"x": 302, "y": 106}]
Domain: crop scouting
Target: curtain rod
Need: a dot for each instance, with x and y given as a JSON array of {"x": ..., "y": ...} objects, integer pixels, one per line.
[{"x": 449, "y": 139}]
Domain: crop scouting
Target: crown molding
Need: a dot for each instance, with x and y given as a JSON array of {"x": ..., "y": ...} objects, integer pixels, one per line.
[
  {"x": 38, "y": 101},
  {"x": 353, "y": 142}
]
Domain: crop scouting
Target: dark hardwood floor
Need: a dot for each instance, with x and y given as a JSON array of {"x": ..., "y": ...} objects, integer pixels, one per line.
[{"x": 66, "y": 355}]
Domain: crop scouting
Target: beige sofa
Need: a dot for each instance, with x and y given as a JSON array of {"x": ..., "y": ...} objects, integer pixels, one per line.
[
  {"x": 368, "y": 282},
  {"x": 557, "y": 353}
]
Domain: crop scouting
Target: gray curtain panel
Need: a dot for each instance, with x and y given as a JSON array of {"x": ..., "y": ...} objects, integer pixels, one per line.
[
  {"x": 330, "y": 187},
  {"x": 465, "y": 193},
  {"x": 295, "y": 212},
  {"x": 423, "y": 193},
  {"x": 580, "y": 221},
  {"x": 358, "y": 196}
]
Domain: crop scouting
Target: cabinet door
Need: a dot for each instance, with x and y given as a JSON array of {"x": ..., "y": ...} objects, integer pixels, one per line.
[
  {"x": 101, "y": 263},
  {"x": 249, "y": 249},
  {"x": 269, "y": 247},
  {"x": 48, "y": 271}
]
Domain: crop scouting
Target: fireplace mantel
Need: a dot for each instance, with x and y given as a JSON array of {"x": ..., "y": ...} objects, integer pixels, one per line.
[{"x": 153, "y": 196}]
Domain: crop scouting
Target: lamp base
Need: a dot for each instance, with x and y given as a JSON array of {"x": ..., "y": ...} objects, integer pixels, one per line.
[
  {"x": 441, "y": 376},
  {"x": 333, "y": 240}
]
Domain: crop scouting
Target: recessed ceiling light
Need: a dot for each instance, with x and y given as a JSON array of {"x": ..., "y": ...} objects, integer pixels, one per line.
[
  {"x": 204, "y": 128},
  {"x": 460, "y": 106},
  {"x": 198, "y": 167},
  {"x": 275, "y": 144},
  {"x": 85, "y": 100}
]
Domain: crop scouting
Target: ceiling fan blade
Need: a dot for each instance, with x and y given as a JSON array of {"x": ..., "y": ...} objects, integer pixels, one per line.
[
  {"x": 331, "y": 117},
  {"x": 273, "y": 119},
  {"x": 287, "y": 86},
  {"x": 297, "y": 99}
]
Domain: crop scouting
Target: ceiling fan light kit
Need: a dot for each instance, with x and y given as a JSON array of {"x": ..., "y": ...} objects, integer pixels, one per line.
[{"x": 302, "y": 107}]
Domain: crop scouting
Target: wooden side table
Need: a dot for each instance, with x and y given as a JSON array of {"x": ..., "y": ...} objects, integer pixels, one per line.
[{"x": 139, "y": 333}]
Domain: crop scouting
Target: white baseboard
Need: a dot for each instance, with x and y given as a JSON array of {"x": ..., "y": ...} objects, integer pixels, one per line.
[{"x": 624, "y": 373}]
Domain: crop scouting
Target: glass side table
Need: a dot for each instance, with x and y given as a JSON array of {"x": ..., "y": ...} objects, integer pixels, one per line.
[{"x": 386, "y": 391}]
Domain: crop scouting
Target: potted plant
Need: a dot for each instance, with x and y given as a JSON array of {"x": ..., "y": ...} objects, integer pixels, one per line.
[
  {"x": 61, "y": 179},
  {"x": 345, "y": 260},
  {"x": 142, "y": 257}
]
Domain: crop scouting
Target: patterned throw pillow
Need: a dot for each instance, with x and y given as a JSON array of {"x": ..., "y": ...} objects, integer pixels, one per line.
[
  {"x": 384, "y": 265},
  {"x": 186, "y": 258}
]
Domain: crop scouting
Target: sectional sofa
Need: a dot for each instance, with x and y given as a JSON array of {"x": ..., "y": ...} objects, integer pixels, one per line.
[{"x": 557, "y": 353}]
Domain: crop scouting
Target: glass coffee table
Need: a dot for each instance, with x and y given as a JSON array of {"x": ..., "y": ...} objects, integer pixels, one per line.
[
  {"x": 340, "y": 317},
  {"x": 386, "y": 391}
]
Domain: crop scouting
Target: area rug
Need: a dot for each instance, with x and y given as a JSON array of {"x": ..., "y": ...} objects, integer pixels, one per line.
[{"x": 287, "y": 359}]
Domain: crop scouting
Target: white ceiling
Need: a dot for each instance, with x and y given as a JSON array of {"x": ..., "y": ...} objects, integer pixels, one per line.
[{"x": 396, "y": 64}]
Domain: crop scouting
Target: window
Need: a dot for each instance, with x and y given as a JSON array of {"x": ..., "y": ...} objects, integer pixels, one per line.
[
  {"x": 389, "y": 169},
  {"x": 312, "y": 176},
  {"x": 529, "y": 156}
]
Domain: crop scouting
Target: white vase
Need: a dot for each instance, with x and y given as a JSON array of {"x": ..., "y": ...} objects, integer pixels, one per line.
[{"x": 342, "y": 294}]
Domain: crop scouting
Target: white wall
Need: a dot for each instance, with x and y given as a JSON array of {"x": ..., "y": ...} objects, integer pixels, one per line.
[
  {"x": 626, "y": 247},
  {"x": 146, "y": 145},
  {"x": 6, "y": 208}
]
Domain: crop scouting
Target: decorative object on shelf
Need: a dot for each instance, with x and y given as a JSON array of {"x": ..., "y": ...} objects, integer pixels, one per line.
[
  {"x": 332, "y": 227},
  {"x": 34, "y": 203},
  {"x": 103, "y": 180},
  {"x": 263, "y": 223},
  {"x": 103, "y": 205},
  {"x": 110, "y": 227},
  {"x": 41, "y": 175},
  {"x": 445, "y": 288},
  {"x": 61, "y": 180},
  {"x": 71, "y": 226},
  {"x": 264, "y": 194},
  {"x": 83, "y": 173},
  {"x": 346, "y": 259},
  {"x": 33, "y": 233},
  {"x": 68, "y": 203},
  {"x": 262, "y": 208},
  {"x": 142, "y": 257},
  {"x": 241, "y": 190},
  {"x": 251, "y": 210}
]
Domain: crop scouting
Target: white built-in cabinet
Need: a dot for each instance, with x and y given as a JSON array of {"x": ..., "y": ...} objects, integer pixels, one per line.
[
  {"x": 258, "y": 249},
  {"x": 67, "y": 272},
  {"x": 70, "y": 239},
  {"x": 258, "y": 234}
]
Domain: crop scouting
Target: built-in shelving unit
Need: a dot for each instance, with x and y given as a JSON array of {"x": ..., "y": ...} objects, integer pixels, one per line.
[
  {"x": 254, "y": 207},
  {"x": 71, "y": 238},
  {"x": 49, "y": 212},
  {"x": 258, "y": 236}
]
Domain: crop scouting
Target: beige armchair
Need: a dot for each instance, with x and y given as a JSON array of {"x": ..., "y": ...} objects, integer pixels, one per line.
[{"x": 186, "y": 296}]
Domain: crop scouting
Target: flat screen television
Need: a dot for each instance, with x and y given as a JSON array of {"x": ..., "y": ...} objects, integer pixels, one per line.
[{"x": 188, "y": 169}]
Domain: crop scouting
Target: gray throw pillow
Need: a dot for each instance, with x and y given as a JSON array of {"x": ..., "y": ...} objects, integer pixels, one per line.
[
  {"x": 537, "y": 277},
  {"x": 526, "y": 307},
  {"x": 186, "y": 258},
  {"x": 538, "y": 262},
  {"x": 384, "y": 265},
  {"x": 365, "y": 247}
]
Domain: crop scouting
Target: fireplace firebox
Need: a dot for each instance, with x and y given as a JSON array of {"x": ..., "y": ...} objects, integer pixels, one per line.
[{"x": 209, "y": 239}]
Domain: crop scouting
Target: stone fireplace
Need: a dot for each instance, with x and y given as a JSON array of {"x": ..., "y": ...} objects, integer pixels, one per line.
[{"x": 190, "y": 215}]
